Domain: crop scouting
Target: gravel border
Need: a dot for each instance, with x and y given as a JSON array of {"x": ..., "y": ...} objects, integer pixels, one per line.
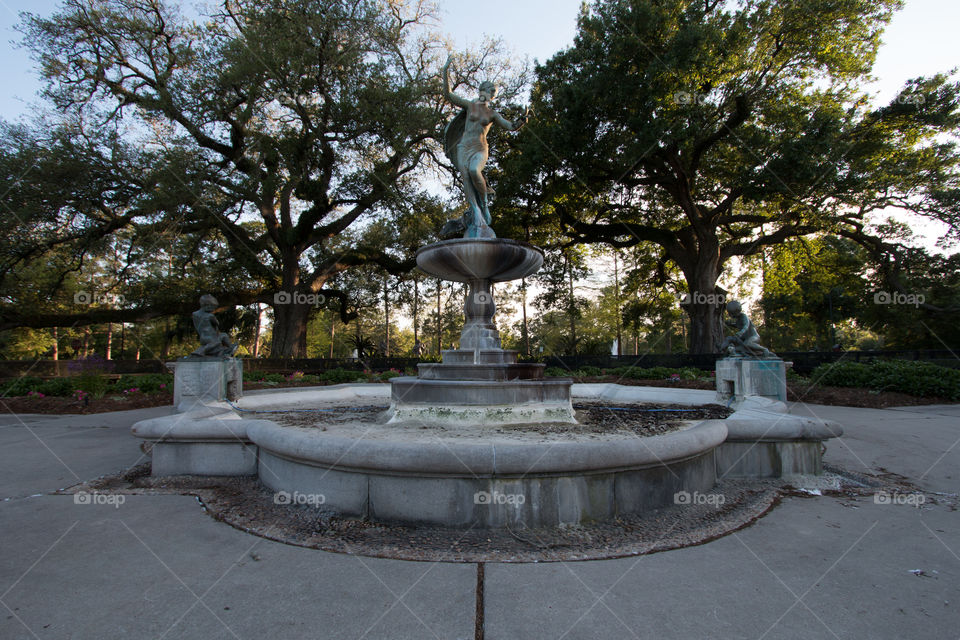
[{"x": 249, "y": 506}]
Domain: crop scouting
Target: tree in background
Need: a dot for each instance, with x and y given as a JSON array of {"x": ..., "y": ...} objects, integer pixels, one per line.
[
  {"x": 713, "y": 129},
  {"x": 557, "y": 279},
  {"x": 810, "y": 287},
  {"x": 309, "y": 117}
]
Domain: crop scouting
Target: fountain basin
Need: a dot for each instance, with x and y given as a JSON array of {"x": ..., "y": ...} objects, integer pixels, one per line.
[
  {"x": 473, "y": 475},
  {"x": 472, "y": 259},
  {"x": 465, "y": 483}
]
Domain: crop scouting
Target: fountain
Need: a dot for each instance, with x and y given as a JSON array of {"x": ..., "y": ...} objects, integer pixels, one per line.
[
  {"x": 480, "y": 382},
  {"x": 465, "y": 443}
]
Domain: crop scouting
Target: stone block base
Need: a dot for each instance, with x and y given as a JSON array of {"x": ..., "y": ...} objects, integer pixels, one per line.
[
  {"x": 529, "y": 501},
  {"x": 739, "y": 378},
  {"x": 204, "y": 459},
  {"x": 198, "y": 382},
  {"x": 760, "y": 459}
]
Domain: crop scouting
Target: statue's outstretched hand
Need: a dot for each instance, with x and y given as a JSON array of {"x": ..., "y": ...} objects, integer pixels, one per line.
[{"x": 522, "y": 120}]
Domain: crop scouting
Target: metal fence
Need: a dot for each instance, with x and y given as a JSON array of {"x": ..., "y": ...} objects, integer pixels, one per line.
[{"x": 803, "y": 362}]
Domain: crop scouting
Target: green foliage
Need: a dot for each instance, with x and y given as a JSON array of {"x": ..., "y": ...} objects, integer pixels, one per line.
[
  {"x": 905, "y": 376},
  {"x": 588, "y": 372},
  {"x": 56, "y": 387},
  {"x": 342, "y": 376},
  {"x": 634, "y": 373},
  {"x": 315, "y": 115},
  {"x": 714, "y": 129},
  {"x": 386, "y": 375},
  {"x": 658, "y": 373},
  {"x": 19, "y": 386},
  {"x": 146, "y": 383},
  {"x": 92, "y": 382}
]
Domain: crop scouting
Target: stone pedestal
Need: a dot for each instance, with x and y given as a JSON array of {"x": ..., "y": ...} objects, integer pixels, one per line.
[
  {"x": 204, "y": 437},
  {"x": 198, "y": 382},
  {"x": 739, "y": 378}
]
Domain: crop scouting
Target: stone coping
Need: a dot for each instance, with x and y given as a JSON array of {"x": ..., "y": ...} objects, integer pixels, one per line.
[
  {"x": 180, "y": 428},
  {"x": 445, "y": 457},
  {"x": 756, "y": 419},
  {"x": 783, "y": 427}
]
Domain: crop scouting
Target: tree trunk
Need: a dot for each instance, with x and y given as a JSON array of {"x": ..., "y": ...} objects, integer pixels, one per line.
[
  {"x": 439, "y": 321},
  {"x": 56, "y": 344},
  {"x": 416, "y": 309},
  {"x": 291, "y": 317},
  {"x": 386, "y": 316},
  {"x": 109, "y": 338},
  {"x": 123, "y": 339},
  {"x": 571, "y": 306},
  {"x": 705, "y": 307},
  {"x": 616, "y": 302},
  {"x": 333, "y": 332},
  {"x": 165, "y": 340},
  {"x": 255, "y": 351},
  {"x": 290, "y": 330},
  {"x": 525, "y": 330}
]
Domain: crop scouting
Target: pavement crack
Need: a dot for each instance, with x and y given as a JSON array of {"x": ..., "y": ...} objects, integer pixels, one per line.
[{"x": 478, "y": 616}]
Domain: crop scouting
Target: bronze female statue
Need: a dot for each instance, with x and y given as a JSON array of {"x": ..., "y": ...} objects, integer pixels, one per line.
[{"x": 465, "y": 144}]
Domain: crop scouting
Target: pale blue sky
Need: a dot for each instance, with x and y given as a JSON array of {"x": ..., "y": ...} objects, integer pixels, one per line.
[{"x": 921, "y": 40}]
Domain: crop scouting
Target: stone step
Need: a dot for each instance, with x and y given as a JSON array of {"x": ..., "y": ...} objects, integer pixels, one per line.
[
  {"x": 481, "y": 356},
  {"x": 410, "y": 390},
  {"x": 445, "y": 371}
]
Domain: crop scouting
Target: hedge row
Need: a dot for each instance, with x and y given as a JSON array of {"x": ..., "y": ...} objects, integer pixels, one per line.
[{"x": 905, "y": 376}]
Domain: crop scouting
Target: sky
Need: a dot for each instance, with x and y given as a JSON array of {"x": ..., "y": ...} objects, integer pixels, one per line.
[{"x": 920, "y": 40}]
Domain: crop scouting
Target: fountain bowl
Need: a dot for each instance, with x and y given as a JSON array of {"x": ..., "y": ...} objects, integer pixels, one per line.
[{"x": 473, "y": 259}]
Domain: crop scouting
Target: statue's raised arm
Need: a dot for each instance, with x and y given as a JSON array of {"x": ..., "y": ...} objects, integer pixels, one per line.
[{"x": 465, "y": 144}]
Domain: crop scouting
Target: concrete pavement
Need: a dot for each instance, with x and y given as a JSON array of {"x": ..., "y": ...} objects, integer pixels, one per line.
[{"x": 159, "y": 567}]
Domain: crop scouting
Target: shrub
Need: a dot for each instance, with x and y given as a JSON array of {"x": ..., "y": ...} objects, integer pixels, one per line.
[
  {"x": 392, "y": 373},
  {"x": 19, "y": 386},
  {"x": 91, "y": 375},
  {"x": 905, "y": 376},
  {"x": 93, "y": 382},
  {"x": 342, "y": 376},
  {"x": 588, "y": 372},
  {"x": 146, "y": 382},
  {"x": 56, "y": 387},
  {"x": 555, "y": 372},
  {"x": 658, "y": 373}
]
